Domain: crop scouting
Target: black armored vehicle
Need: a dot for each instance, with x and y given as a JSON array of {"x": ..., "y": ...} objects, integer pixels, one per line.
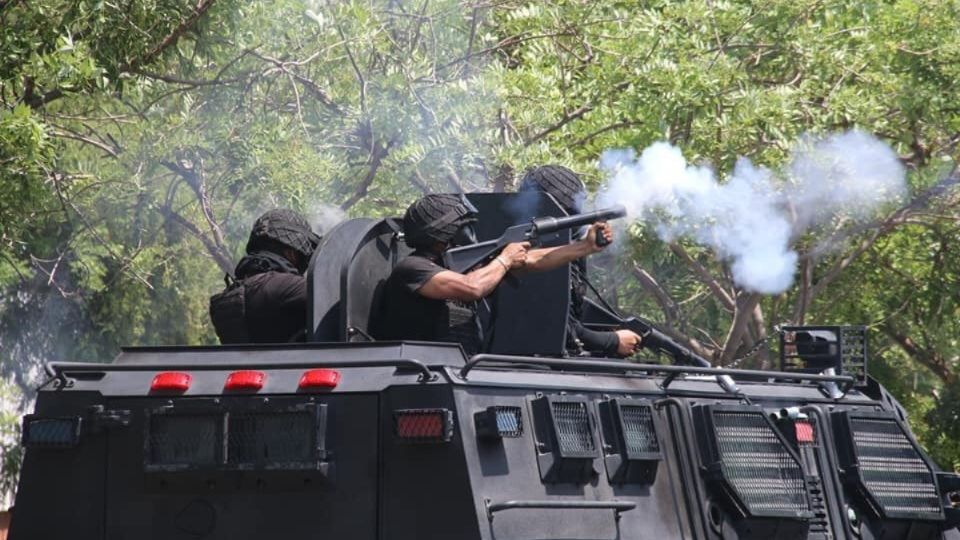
[{"x": 345, "y": 437}]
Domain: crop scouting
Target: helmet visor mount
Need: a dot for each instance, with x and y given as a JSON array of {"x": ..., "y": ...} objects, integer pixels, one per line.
[{"x": 466, "y": 235}]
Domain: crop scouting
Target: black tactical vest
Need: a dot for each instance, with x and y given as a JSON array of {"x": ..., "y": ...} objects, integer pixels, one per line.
[{"x": 229, "y": 314}]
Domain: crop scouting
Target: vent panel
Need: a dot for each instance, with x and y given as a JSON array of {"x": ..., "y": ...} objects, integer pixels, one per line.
[
  {"x": 273, "y": 438},
  {"x": 187, "y": 440},
  {"x": 892, "y": 469},
  {"x": 757, "y": 465},
  {"x": 639, "y": 434},
  {"x": 572, "y": 422}
]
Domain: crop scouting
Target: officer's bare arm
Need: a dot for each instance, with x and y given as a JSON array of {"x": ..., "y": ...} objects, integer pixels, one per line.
[
  {"x": 540, "y": 260},
  {"x": 449, "y": 285}
]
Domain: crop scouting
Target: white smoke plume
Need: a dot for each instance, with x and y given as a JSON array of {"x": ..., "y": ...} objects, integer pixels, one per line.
[
  {"x": 324, "y": 216},
  {"x": 752, "y": 219}
]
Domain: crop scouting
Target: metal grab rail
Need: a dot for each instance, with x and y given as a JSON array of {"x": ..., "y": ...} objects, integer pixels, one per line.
[
  {"x": 616, "y": 506},
  {"x": 671, "y": 371},
  {"x": 58, "y": 370}
]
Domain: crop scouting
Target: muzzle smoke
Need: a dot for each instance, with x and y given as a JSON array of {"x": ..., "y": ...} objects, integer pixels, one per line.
[{"x": 752, "y": 219}]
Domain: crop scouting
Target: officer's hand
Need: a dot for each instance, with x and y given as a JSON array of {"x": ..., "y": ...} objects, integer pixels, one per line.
[
  {"x": 629, "y": 342},
  {"x": 515, "y": 254},
  {"x": 602, "y": 229}
]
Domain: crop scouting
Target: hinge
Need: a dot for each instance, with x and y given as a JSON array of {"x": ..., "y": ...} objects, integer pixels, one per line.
[{"x": 102, "y": 419}]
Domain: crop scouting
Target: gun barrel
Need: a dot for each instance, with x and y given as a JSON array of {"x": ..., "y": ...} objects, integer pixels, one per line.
[
  {"x": 547, "y": 225},
  {"x": 657, "y": 340}
]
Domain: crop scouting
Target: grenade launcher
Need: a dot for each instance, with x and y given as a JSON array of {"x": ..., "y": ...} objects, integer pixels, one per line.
[{"x": 465, "y": 258}]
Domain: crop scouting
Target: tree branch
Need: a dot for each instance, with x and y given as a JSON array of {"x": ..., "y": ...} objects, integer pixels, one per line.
[
  {"x": 742, "y": 314},
  {"x": 313, "y": 88},
  {"x": 376, "y": 159},
  {"x": 881, "y": 228},
  {"x": 590, "y": 136},
  {"x": 202, "y": 7},
  {"x": 225, "y": 263},
  {"x": 566, "y": 119},
  {"x": 705, "y": 277},
  {"x": 929, "y": 359},
  {"x": 67, "y": 134},
  {"x": 194, "y": 176},
  {"x": 667, "y": 305},
  {"x": 759, "y": 327},
  {"x": 37, "y": 101}
]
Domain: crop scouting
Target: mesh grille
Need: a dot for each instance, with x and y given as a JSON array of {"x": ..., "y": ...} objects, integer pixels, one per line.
[
  {"x": 51, "y": 432},
  {"x": 573, "y": 427},
  {"x": 509, "y": 423},
  {"x": 423, "y": 425},
  {"x": 183, "y": 439},
  {"x": 892, "y": 469},
  {"x": 853, "y": 351},
  {"x": 757, "y": 464},
  {"x": 638, "y": 431},
  {"x": 280, "y": 437}
]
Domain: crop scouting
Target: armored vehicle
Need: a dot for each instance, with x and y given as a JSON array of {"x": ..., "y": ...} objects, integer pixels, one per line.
[{"x": 345, "y": 437}]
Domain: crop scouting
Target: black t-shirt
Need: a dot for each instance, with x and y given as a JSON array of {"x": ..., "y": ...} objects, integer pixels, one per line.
[
  {"x": 276, "y": 306},
  {"x": 407, "y": 315}
]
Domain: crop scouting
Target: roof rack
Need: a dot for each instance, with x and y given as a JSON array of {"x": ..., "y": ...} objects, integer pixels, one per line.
[
  {"x": 61, "y": 370},
  {"x": 671, "y": 371}
]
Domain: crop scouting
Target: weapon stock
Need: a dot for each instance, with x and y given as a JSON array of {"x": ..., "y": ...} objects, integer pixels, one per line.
[{"x": 465, "y": 258}]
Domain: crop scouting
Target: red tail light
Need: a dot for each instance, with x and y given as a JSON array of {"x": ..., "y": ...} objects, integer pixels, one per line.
[
  {"x": 171, "y": 381},
  {"x": 423, "y": 425},
  {"x": 245, "y": 380},
  {"x": 320, "y": 378},
  {"x": 804, "y": 431}
]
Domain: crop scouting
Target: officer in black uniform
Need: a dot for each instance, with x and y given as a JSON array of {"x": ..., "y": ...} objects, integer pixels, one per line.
[
  {"x": 266, "y": 299},
  {"x": 568, "y": 190},
  {"x": 422, "y": 300}
]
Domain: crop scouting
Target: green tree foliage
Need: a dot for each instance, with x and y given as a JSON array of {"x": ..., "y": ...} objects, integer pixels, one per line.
[
  {"x": 11, "y": 454},
  {"x": 138, "y": 141}
]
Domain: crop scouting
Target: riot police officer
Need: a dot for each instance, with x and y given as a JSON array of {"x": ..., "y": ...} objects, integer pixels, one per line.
[
  {"x": 422, "y": 300},
  {"x": 266, "y": 299},
  {"x": 566, "y": 187}
]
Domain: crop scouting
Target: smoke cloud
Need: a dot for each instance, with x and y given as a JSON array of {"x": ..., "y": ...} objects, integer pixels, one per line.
[
  {"x": 324, "y": 216},
  {"x": 752, "y": 219}
]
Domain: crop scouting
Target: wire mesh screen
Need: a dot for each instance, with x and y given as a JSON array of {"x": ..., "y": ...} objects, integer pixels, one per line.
[
  {"x": 853, "y": 351},
  {"x": 767, "y": 478},
  {"x": 892, "y": 469},
  {"x": 183, "y": 439},
  {"x": 271, "y": 437},
  {"x": 509, "y": 421},
  {"x": 638, "y": 431},
  {"x": 51, "y": 432},
  {"x": 572, "y": 424}
]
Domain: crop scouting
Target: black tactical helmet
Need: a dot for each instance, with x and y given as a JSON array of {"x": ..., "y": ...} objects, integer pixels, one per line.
[
  {"x": 560, "y": 182},
  {"x": 436, "y": 218},
  {"x": 284, "y": 227}
]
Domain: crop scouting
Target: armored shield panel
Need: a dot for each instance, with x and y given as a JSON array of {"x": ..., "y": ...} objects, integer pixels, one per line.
[
  {"x": 526, "y": 315},
  {"x": 346, "y": 276}
]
